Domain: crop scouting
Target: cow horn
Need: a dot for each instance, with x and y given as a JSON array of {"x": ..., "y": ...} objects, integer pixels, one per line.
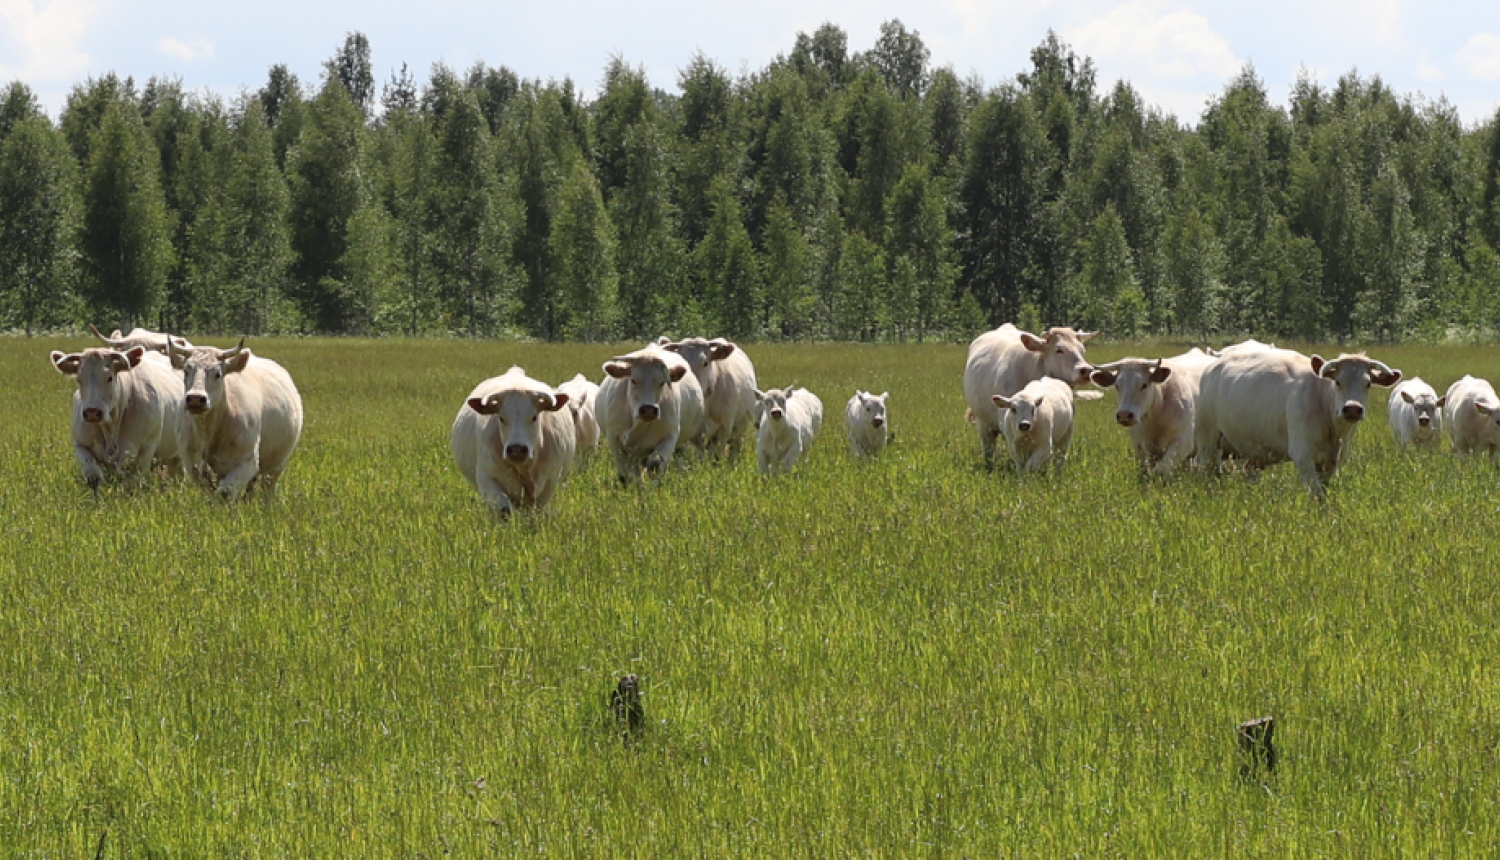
[
  {"x": 1111, "y": 367},
  {"x": 114, "y": 343},
  {"x": 1157, "y": 365},
  {"x": 174, "y": 349},
  {"x": 227, "y": 354}
]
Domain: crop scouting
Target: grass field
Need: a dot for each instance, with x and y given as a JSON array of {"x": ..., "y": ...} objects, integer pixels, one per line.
[{"x": 909, "y": 657}]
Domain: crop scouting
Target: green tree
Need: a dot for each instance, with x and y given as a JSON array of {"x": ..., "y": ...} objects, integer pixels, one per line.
[
  {"x": 1193, "y": 263},
  {"x": 862, "y": 310},
  {"x": 920, "y": 244},
  {"x": 901, "y": 59},
  {"x": 583, "y": 254},
  {"x": 284, "y": 106},
  {"x": 351, "y": 67},
  {"x": 38, "y": 215},
  {"x": 650, "y": 257},
  {"x": 728, "y": 268},
  {"x": 257, "y": 204},
  {"x": 17, "y": 104},
  {"x": 789, "y": 268},
  {"x": 1106, "y": 293},
  {"x": 126, "y": 240},
  {"x": 83, "y": 114}
]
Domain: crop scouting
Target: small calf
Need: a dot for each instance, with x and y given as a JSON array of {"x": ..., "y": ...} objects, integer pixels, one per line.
[
  {"x": 1037, "y": 423},
  {"x": 865, "y": 419},
  {"x": 791, "y": 418},
  {"x": 1416, "y": 413}
]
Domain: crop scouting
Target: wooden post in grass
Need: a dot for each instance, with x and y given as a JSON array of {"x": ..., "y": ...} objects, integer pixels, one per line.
[
  {"x": 630, "y": 715},
  {"x": 1256, "y": 748}
]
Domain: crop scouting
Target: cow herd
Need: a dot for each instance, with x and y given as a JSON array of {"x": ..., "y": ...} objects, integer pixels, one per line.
[{"x": 231, "y": 419}]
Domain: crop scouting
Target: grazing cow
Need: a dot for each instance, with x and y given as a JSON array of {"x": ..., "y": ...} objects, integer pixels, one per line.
[
  {"x": 125, "y": 410},
  {"x": 243, "y": 417},
  {"x": 865, "y": 419},
  {"x": 648, "y": 403},
  {"x": 1038, "y": 423},
  {"x": 727, "y": 378},
  {"x": 1005, "y": 360},
  {"x": 582, "y": 396},
  {"x": 1156, "y": 404},
  {"x": 1416, "y": 413},
  {"x": 1472, "y": 413},
  {"x": 151, "y": 340},
  {"x": 513, "y": 440},
  {"x": 1274, "y": 405},
  {"x": 791, "y": 418}
]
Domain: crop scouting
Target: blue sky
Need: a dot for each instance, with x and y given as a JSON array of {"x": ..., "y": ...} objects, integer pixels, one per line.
[{"x": 1178, "y": 54}]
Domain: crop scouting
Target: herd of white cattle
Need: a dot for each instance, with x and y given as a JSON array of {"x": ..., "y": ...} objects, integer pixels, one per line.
[{"x": 232, "y": 419}]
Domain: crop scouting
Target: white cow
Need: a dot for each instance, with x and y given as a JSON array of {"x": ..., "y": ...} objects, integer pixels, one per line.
[
  {"x": 865, "y": 419},
  {"x": 243, "y": 417},
  {"x": 648, "y": 401},
  {"x": 514, "y": 441},
  {"x": 1274, "y": 405},
  {"x": 125, "y": 410},
  {"x": 1038, "y": 423},
  {"x": 727, "y": 378},
  {"x": 152, "y": 341},
  {"x": 1472, "y": 413},
  {"x": 1005, "y": 360},
  {"x": 582, "y": 397},
  {"x": 1243, "y": 346},
  {"x": 1156, "y": 404},
  {"x": 791, "y": 418},
  {"x": 1416, "y": 413}
]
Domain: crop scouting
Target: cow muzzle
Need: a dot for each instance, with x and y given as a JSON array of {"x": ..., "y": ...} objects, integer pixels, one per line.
[
  {"x": 197, "y": 403},
  {"x": 1424, "y": 421},
  {"x": 1024, "y": 426},
  {"x": 1084, "y": 372},
  {"x": 1353, "y": 411},
  {"x": 1125, "y": 419},
  {"x": 775, "y": 414},
  {"x": 878, "y": 422},
  {"x": 93, "y": 415},
  {"x": 518, "y": 453},
  {"x": 648, "y": 412}
]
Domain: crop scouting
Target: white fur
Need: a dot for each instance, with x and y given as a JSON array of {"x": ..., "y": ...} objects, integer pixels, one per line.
[
  {"x": 790, "y": 420},
  {"x": 514, "y": 412},
  {"x": 139, "y": 399},
  {"x": 583, "y": 396},
  {"x": 1003, "y": 361},
  {"x": 1157, "y": 415},
  {"x": 1472, "y": 413},
  {"x": 1411, "y": 401},
  {"x": 1045, "y": 404},
  {"x": 655, "y": 378},
  {"x": 727, "y": 379},
  {"x": 861, "y": 413},
  {"x": 251, "y": 426}
]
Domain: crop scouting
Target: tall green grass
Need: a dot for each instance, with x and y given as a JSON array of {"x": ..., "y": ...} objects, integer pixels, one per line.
[{"x": 906, "y": 657}]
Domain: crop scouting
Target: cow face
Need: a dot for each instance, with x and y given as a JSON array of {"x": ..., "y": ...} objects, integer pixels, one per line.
[
  {"x": 1138, "y": 382},
  {"x": 700, "y": 355},
  {"x": 648, "y": 375},
  {"x": 1023, "y": 408},
  {"x": 98, "y": 373},
  {"x": 518, "y": 412},
  {"x": 1351, "y": 376},
  {"x": 872, "y": 407},
  {"x": 1426, "y": 405},
  {"x": 1061, "y": 352},
  {"x": 203, "y": 372},
  {"x": 773, "y": 403}
]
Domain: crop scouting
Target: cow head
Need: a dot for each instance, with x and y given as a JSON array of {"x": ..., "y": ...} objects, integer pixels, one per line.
[
  {"x": 772, "y": 403},
  {"x": 1492, "y": 412},
  {"x": 649, "y": 372},
  {"x": 203, "y": 371},
  {"x": 870, "y": 408},
  {"x": 518, "y": 411},
  {"x": 97, "y": 372},
  {"x": 1427, "y": 406},
  {"x": 1137, "y": 381},
  {"x": 700, "y": 355},
  {"x": 1060, "y": 351},
  {"x": 1022, "y": 407},
  {"x": 1351, "y": 376}
]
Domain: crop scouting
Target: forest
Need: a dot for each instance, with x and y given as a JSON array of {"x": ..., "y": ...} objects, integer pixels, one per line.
[{"x": 832, "y": 195}]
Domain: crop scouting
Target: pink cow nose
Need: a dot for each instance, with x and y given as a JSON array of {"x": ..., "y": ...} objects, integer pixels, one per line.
[
  {"x": 517, "y": 453},
  {"x": 648, "y": 412},
  {"x": 1126, "y": 419},
  {"x": 93, "y": 416},
  {"x": 1353, "y": 411}
]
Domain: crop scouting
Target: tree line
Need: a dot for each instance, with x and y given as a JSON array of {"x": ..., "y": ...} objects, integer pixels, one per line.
[{"x": 831, "y": 195}]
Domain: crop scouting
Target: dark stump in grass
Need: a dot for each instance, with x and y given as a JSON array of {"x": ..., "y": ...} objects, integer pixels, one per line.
[
  {"x": 625, "y": 702},
  {"x": 1257, "y": 752}
]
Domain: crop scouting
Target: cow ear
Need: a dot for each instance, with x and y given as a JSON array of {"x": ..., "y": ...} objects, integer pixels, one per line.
[
  {"x": 1161, "y": 374},
  {"x": 66, "y": 363},
  {"x": 1442, "y": 401},
  {"x": 135, "y": 354},
  {"x": 759, "y": 395},
  {"x": 678, "y": 372},
  {"x": 238, "y": 363},
  {"x": 617, "y": 369},
  {"x": 663, "y": 340},
  {"x": 1103, "y": 378},
  {"x": 178, "y": 359},
  {"x": 1385, "y": 378},
  {"x": 885, "y": 396},
  {"x": 1032, "y": 342},
  {"x": 722, "y": 349},
  {"x": 1406, "y": 395},
  {"x": 1318, "y": 364},
  {"x": 559, "y": 400},
  {"x": 1484, "y": 410},
  {"x": 1001, "y": 402},
  {"x": 671, "y": 347},
  {"x": 484, "y": 405}
]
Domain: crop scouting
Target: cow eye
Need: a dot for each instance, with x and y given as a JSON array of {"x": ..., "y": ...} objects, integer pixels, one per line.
[{"x": 1144, "y": 385}]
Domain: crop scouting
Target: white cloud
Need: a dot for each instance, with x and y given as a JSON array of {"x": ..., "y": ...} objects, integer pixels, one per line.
[
  {"x": 1160, "y": 41},
  {"x": 47, "y": 39},
  {"x": 1427, "y": 70},
  {"x": 1480, "y": 57},
  {"x": 197, "y": 49}
]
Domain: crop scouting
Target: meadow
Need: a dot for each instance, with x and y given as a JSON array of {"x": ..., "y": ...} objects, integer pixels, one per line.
[{"x": 907, "y": 657}]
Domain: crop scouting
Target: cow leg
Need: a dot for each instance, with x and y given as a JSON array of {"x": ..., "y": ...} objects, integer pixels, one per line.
[
  {"x": 625, "y": 468},
  {"x": 88, "y": 464},
  {"x": 793, "y": 456},
  {"x": 1308, "y": 468},
  {"x": 662, "y": 455},
  {"x": 1177, "y": 453},
  {"x": 233, "y": 485},
  {"x": 493, "y": 494},
  {"x": 987, "y": 440}
]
